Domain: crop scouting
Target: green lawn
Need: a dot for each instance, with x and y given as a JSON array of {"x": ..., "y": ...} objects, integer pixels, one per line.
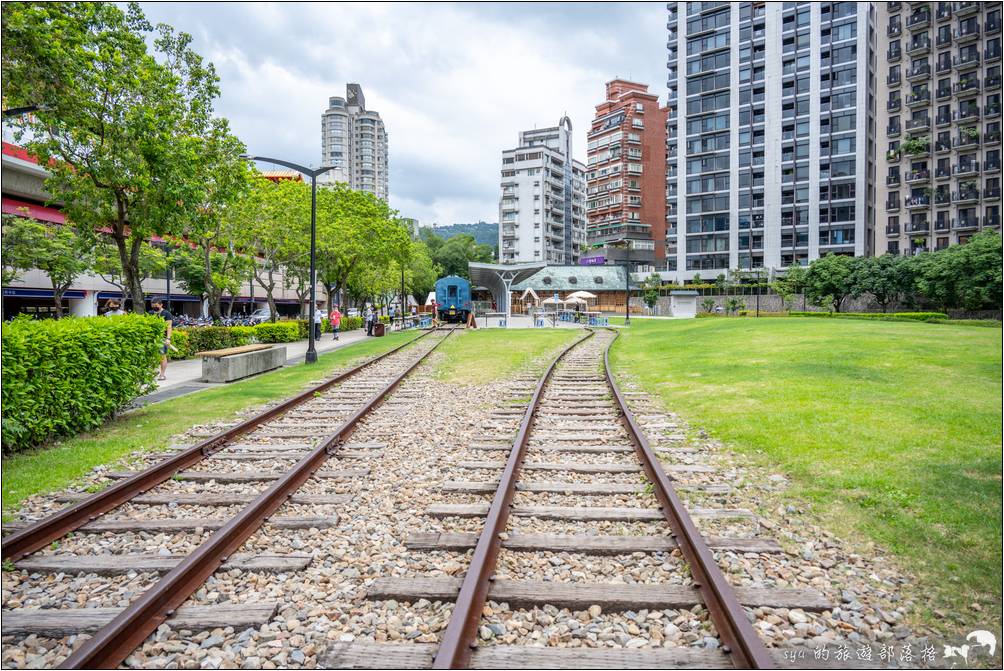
[
  {"x": 56, "y": 466},
  {"x": 484, "y": 355},
  {"x": 891, "y": 432}
]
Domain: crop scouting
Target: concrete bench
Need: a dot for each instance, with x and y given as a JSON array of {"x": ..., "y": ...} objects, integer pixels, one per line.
[{"x": 235, "y": 363}]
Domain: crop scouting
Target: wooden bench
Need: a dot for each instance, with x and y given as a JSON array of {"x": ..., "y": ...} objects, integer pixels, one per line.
[{"x": 235, "y": 363}]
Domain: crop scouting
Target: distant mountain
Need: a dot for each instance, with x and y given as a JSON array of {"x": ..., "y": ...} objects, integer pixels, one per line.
[{"x": 483, "y": 232}]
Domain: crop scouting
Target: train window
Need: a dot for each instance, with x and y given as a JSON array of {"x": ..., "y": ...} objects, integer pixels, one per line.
[{"x": 452, "y": 291}]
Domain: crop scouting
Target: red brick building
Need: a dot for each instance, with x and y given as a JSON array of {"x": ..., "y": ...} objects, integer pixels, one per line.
[{"x": 626, "y": 179}]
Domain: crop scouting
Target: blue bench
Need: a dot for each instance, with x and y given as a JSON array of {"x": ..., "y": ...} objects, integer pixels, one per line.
[{"x": 599, "y": 321}]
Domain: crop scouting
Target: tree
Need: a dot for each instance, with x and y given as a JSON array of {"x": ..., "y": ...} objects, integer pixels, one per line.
[
  {"x": 108, "y": 266},
  {"x": 119, "y": 131},
  {"x": 55, "y": 249},
  {"x": 733, "y": 304},
  {"x": 20, "y": 239},
  {"x": 884, "y": 277},
  {"x": 708, "y": 304},
  {"x": 454, "y": 255},
  {"x": 650, "y": 290},
  {"x": 271, "y": 221},
  {"x": 962, "y": 276},
  {"x": 828, "y": 280}
]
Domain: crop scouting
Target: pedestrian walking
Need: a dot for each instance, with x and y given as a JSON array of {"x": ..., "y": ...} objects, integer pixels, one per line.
[
  {"x": 370, "y": 318},
  {"x": 159, "y": 310},
  {"x": 336, "y": 321},
  {"x": 112, "y": 308},
  {"x": 318, "y": 318}
]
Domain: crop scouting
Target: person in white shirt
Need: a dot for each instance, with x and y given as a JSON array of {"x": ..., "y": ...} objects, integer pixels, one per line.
[{"x": 318, "y": 316}]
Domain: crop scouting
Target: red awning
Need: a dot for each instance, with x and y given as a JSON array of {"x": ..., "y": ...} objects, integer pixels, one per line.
[{"x": 40, "y": 212}]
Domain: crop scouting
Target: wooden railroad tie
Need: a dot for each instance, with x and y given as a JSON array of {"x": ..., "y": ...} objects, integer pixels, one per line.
[
  {"x": 251, "y": 476},
  {"x": 124, "y": 564},
  {"x": 187, "y": 524},
  {"x": 584, "y": 514},
  {"x": 582, "y": 543}
]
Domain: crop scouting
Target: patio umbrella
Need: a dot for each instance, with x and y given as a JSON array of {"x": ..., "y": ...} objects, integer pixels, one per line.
[
  {"x": 575, "y": 299},
  {"x": 551, "y": 301}
]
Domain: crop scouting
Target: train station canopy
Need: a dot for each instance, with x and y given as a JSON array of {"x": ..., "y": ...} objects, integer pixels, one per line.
[{"x": 498, "y": 278}]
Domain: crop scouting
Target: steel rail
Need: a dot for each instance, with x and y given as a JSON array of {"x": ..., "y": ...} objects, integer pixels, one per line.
[
  {"x": 739, "y": 640},
  {"x": 461, "y": 631},
  {"x": 114, "y": 642},
  {"x": 55, "y": 526}
]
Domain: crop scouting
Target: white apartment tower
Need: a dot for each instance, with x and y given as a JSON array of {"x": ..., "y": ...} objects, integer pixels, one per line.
[
  {"x": 771, "y": 137},
  {"x": 354, "y": 140},
  {"x": 542, "y": 215}
]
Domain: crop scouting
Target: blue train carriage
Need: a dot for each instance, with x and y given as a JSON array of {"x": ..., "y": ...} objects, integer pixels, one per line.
[{"x": 453, "y": 299}]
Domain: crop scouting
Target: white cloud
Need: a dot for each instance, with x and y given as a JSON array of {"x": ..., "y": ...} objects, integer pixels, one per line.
[{"x": 453, "y": 83}]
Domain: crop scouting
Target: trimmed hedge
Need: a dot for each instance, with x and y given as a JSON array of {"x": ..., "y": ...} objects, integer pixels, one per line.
[
  {"x": 879, "y": 316},
  {"x": 64, "y": 376},
  {"x": 207, "y": 338},
  {"x": 277, "y": 332},
  {"x": 179, "y": 342}
]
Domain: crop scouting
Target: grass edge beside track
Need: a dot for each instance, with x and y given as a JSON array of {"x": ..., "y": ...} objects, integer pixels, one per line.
[{"x": 61, "y": 463}]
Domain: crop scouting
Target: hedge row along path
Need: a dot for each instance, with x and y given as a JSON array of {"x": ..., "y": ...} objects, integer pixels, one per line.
[{"x": 280, "y": 450}]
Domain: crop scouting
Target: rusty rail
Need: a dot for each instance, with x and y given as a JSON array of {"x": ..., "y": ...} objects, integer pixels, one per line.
[
  {"x": 55, "y": 526},
  {"x": 461, "y": 631},
  {"x": 739, "y": 639},
  {"x": 114, "y": 642}
]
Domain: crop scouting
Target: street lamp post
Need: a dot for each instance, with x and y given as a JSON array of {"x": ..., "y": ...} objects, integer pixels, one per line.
[{"x": 311, "y": 356}]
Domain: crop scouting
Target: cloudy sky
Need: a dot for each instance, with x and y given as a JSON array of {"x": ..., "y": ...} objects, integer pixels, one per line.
[{"x": 454, "y": 83}]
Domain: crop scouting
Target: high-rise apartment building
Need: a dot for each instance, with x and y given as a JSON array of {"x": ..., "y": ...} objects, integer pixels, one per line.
[
  {"x": 542, "y": 215},
  {"x": 354, "y": 141},
  {"x": 626, "y": 178},
  {"x": 771, "y": 134},
  {"x": 939, "y": 168}
]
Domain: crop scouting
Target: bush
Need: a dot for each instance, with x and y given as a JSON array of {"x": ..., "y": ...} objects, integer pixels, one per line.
[
  {"x": 763, "y": 313},
  {"x": 277, "y": 332},
  {"x": 68, "y": 375},
  {"x": 179, "y": 339},
  {"x": 351, "y": 323},
  {"x": 206, "y": 338},
  {"x": 880, "y": 316}
]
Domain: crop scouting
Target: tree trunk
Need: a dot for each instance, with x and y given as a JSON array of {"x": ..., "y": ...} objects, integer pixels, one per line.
[
  {"x": 269, "y": 288},
  {"x": 57, "y": 299},
  {"x": 129, "y": 258}
]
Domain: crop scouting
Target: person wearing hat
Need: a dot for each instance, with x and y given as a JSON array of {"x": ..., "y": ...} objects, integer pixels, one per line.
[{"x": 160, "y": 311}]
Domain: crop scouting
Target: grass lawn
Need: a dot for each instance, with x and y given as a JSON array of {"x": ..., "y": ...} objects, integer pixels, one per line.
[
  {"x": 891, "y": 432},
  {"x": 484, "y": 355},
  {"x": 56, "y": 466}
]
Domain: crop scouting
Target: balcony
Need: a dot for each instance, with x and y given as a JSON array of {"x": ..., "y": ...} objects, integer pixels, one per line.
[
  {"x": 941, "y": 147},
  {"x": 943, "y": 92},
  {"x": 892, "y": 229},
  {"x": 993, "y": 165},
  {"x": 992, "y": 82},
  {"x": 894, "y": 55},
  {"x": 943, "y": 38},
  {"x": 893, "y": 6},
  {"x": 966, "y": 196},
  {"x": 892, "y": 180},
  {"x": 967, "y": 8},
  {"x": 970, "y": 59},
  {"x": 993, "y": 110},
  {"x": 967, "y": 141},
  {"x": 967, "y": 33},
  {"x": 944, "y": 11},
  {"x": 965, "y": 223},
  {"x": 894, "y": 105},
  {"x": 893, "y": 131},
  {"x": 919, "y": 71},
  {"x": 992, "y": 53},
  {"x": 942, "y": 173},
  {"x": 918, "y": 20},
  {"x": 968, "y": 87},
  {"x": 892, "y": 206},
  {"x": 992, "y": 221},
  {"x": 970, "y": 168},
  {"x": 918, "y": 99},
  {"x": 942, "y": 197},
  {"x": 943, "y": 120},
  {"x": 918, "y": 202},
  {"x": 920, "y": 44},
  {"x": 943, "y": 65},
  {"x": 967, "y": 114},
  {"x": 914, "y": 176},
  {"x": 918, "y": 125},
  {"x": 992, "y": 137},
  {"x": 918, "y": 227},
  {"x": 991, "y": 26},
  {"x": 894, "y": 80},
  {"x": 892, "y": 156}
]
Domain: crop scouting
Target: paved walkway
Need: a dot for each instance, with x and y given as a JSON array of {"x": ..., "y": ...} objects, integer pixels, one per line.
[{"x": 185, "y": 375}]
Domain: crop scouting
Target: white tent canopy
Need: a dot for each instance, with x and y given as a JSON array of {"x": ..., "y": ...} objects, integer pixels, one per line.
[
  {"x": 581, "y": 294},
  {"x": 575, "y": 299},
  {"x": 431, "y": 298},
  {"x": 552, "y": 301}
]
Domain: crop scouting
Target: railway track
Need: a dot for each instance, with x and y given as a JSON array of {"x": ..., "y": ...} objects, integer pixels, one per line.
[
  {"x": 578, "y": 443},
  {"x": 253, "y": 473}
]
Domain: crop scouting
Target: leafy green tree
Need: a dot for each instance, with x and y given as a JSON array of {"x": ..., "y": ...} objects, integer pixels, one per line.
[
  {"x": 56, "y": 250},
  {"x": 708, "y": 304},
  {"x": 962, "y": 276},
  {"x": 119, "y": 128},
  {"x": 650, "y": 290},
  {"x": 271, "y": 221},
  {"x": 20, "y": 239},
  {"x": 108, "y": 265},
  {"x": 828, "y": 280},
  {"x": 885, "y": 278},
  {"x": 733, "y": 305}
]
